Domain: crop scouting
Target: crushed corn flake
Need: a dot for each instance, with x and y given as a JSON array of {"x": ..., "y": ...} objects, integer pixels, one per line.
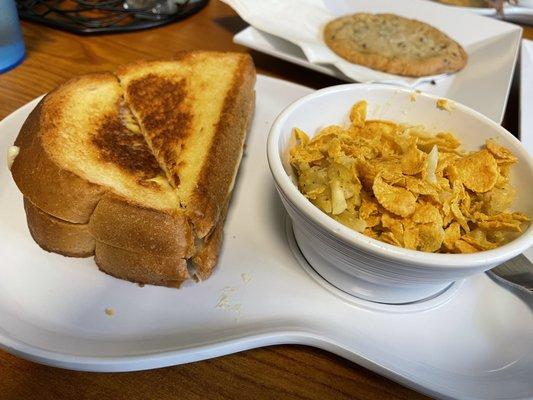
[{"x": 409, "y": 188}]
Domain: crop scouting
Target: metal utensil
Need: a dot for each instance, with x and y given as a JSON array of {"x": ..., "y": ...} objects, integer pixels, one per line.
[{"x": 517, "y": 272}]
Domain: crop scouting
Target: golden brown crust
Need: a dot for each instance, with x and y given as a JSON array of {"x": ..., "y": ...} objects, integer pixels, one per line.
[
  {"x": 126, "y": 225},
  {"x": 394, "y": 44},
  {"x": 206, "y": 258},
  {"x": 58, "y": 236},
  {"x": 54, "y": 190},
  {"x": 143, "y": 268},
  {"x": 75, "y": 240},
  {"x": 181, "y": 55},
  {"x": 220, "y": 167}
]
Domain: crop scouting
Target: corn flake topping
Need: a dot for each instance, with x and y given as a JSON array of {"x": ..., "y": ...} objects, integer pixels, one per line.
[{"x": 406, "y": 187}]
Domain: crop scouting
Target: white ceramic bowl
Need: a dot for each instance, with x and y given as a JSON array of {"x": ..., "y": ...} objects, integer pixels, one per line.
[{"x": 360, "y": 265}]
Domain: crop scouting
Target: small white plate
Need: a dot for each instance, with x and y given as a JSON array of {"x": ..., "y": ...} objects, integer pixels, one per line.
[
  {"x": 482, "y": 85},
  {"x": 526, "y": 95},
  {"x": 471, "y": 342}
]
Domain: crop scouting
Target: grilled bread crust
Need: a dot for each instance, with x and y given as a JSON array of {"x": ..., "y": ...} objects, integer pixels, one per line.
[
  {"x": 75, "y": 240},
  {"x": 55, "y": 190},
  {"x": 219, "y": 170},
  {"x": 205, "y": 259},
  {"x": 126, "y": 225},
  {"x": 146, "y": 267},
  {"x": 141, "y": 267},
  {"x": 70, "y": 215},
  {"x": 58, "y": 236}
]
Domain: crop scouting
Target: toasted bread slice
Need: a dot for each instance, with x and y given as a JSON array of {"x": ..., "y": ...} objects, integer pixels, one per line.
[
  {"x": 194, "y": 112},
  {"x": 75, "y": 240},
  {"x": 75, "y": 147},
  {"x": 58, "y": 236},
  {"x": 141, "y": 267},
  {"x": 79, "y": 162}
]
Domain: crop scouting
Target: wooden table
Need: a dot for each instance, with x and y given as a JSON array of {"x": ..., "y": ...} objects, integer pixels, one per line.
[{"x": 281, "y": 372}]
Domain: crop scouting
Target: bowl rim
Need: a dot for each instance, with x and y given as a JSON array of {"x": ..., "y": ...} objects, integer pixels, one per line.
[{"x": 367, "y": 244}]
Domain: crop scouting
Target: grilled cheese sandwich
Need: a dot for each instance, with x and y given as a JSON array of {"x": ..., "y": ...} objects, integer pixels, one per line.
[{"x": 137, "y": 167}]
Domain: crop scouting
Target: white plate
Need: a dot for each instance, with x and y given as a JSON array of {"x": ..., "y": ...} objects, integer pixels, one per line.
[
  {"x": 471, "y": 342},
  {"x": 482, "y": 85},
  {"x": 526, "y": 95}
]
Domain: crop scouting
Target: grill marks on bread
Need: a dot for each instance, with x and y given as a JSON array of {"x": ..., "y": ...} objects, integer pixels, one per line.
[
  {"x": 219, "y": 99},
  {"x": 125, "y": 148},
  {"x": 165, "y": 116}
]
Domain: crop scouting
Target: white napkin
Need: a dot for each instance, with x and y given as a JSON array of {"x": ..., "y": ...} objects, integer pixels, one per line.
[
  {"x": 302, "y": 22},
  {"x": 526, "y": 97}
]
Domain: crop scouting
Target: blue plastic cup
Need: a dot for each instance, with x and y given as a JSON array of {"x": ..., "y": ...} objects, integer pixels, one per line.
[{"x": 12, "y": 50}]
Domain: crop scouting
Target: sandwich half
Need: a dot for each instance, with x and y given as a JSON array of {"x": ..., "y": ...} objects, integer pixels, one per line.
[
  {"x": 127, "y": 177},
  {"x": 196, "y": 144}
]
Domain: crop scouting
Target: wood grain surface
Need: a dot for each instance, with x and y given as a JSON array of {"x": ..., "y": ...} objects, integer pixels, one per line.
[{"x": 281, "y": 372}]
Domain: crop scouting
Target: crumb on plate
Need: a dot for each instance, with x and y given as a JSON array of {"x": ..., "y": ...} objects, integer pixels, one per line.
[
  {"x": 443, "y": 104},
  {"x": 414, "y": 94},
  {"x": 245, "y": 277}
]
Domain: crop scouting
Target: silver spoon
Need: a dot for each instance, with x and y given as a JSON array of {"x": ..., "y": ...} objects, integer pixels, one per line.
[{"x": 517, "y": 272}]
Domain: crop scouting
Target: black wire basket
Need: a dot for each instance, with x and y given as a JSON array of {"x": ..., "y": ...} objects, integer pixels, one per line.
[{"x": 106, "y": 16}]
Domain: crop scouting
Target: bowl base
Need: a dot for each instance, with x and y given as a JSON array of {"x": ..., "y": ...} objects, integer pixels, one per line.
[{"x": 357, "y": 286}]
